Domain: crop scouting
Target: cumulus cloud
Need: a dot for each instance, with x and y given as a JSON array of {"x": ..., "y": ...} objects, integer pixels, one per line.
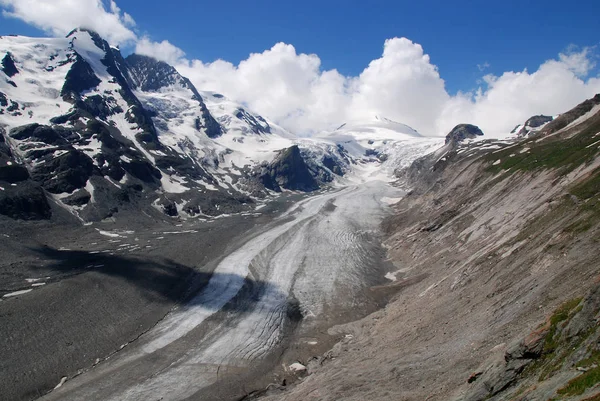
[
  {"x": 163, "y": 51},
  {"x": 509, "y": 99},
  {"x": 60, "y": 17},
  {"x": 293, "y": 90},
  {"x": 402, "y": 85}
]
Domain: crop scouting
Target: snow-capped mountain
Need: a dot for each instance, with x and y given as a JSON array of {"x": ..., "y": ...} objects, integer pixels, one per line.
[
  {"x": 95, "y": 133},
  {"x": 380, "y": 146}
]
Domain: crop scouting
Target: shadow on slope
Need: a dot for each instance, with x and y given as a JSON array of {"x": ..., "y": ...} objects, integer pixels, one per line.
[{"x": 93, "y": 307}]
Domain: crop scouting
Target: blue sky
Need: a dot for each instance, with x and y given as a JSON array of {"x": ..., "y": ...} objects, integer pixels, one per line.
[{"x": 378, "y": 72}]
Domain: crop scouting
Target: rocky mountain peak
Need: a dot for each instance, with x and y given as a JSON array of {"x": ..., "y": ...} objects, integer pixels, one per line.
[
  {"x": 149, "y": 74},
  {"x": 87, "y": 130},
  {"x": 532, "y": 125},
  {"x": 462, "y": 132}
]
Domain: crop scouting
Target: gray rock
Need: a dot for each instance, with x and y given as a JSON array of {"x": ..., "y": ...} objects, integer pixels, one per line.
[{"x": 462, "y": 132}]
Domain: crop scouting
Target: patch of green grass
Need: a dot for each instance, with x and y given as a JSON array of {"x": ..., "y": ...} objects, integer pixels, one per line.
[
  {"x": 593, "y": 359},
  {"x": 551, "y": 362},
  {"x": 588, "y": 189},
  {"x": 578, "y": 385},
  {"x": 588, "y": 192},
  {"x": 579, "y": 226},
  {"x": 557, "y": 153},
  {"x": 560, "y": 315}
]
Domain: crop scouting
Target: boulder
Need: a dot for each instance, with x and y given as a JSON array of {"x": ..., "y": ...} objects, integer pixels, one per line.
[
  {"x": 462, "y": 132},
  {"x": 297, "y": 367}
]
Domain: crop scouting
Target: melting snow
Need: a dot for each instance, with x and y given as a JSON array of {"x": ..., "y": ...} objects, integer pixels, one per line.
[
  {"x": 14, "y": 294},
  {"x": 108, "y": 233},
  {"x": 390, "y": 201}
]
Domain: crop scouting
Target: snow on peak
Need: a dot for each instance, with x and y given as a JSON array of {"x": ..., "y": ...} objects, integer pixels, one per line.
[{"x": 376, "y": 128}]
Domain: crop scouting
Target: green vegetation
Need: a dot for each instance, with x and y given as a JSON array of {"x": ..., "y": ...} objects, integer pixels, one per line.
[
  {"x": 593, "y": 359},
  {"x": 588, "y": 192},
  {"x": 557, "y": 349},
  {"x": 564, "y": 154},
  {"x": 551, "y": 360},
  {"x": 578, "y": 385},
  {"x": 588, "y": 189}
]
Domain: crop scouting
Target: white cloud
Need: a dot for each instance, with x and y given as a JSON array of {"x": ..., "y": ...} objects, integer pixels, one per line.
[
  {"x": 293, "y": 90},
  {"x": 163, "y": 51},
  {"x": 402, "y": 84},
  {"x": 60, "y": 17},
  {"x": 509, "y": 99}
]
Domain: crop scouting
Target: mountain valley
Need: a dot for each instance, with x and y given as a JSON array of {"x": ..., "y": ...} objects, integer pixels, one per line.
[{"x": 164, "y": 242}]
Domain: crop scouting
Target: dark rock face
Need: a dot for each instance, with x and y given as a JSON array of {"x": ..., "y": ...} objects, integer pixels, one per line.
[
  {"x": 13, "y": 173},
  {"x": 8, "y": 65},
  {"x": 102, "y": 107},
  {"x": 183, "y": 166},
  {"x": 26, "y": 201},
  {"x": 536, "y": 121},
  {"x": 148, "y": 75},
  {"x": 258, "y": 124},
  {"x": 532, "y": 123},
  {"x": 3, "y": 100},
  {"x": 289, "y": 171},
  {"x": 80, "y": 77},
  {"x": 64, "y": 173},
  {"x": 214, "y": 203},
  {"x": 78, "y": 198},
  {"x": 40, "y": 133},
  {"x": 331, "y": 164},
  {"x": 462, "y": 132},
  {"x": 211, "y": 126},
  {"x": 143, "y": 170}
]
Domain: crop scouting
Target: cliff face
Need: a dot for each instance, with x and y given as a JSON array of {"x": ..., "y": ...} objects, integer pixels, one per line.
[{"x": 495, "y": 248}]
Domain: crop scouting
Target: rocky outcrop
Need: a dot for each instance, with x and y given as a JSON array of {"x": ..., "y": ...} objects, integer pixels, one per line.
[
  {"x": 8, "y": 66},
  {"x": 257, "y": 124},
  {"x": 561, "y": 358},
  {"x": 80, "y": 77},
  {"x": 20, "y": 197},
  {"x": 462, "y": 132},
  {"x": 532, "y": 125},
  {"x": 288, "y": 171},
  {"x": 25, "y": 200}
]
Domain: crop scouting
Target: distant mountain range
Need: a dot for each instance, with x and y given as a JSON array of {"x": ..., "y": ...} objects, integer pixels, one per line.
[{"x": 87, "y": 130}]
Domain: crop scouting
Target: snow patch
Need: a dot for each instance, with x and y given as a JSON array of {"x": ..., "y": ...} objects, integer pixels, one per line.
[
  {"x": 14, "y": 294},
  {"x": 390, "y": 201}
]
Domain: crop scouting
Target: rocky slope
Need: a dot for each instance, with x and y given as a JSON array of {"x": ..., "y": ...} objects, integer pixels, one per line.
[{"x": 495, "y": 296}]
